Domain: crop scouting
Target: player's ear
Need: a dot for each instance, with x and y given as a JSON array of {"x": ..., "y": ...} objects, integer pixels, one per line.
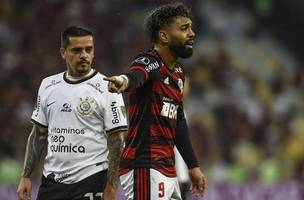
[
  {"x": 62, "y": 52},
  {"x": 163, "y": 36}
]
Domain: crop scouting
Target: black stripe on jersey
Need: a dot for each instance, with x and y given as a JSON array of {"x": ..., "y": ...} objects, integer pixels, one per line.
[
  {"x": 131, "y": 163},
  {"x": 164, "y": 162},
  {"x": 39, "y": 124},
  {"x": 116, "y": 129},
  {"x": 78, "y": 81}
]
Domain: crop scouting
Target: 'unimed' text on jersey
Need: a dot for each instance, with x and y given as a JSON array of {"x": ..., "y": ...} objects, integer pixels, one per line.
[
  {"x": 78, "y": 116},
  {"x": 155, "y": 101}
]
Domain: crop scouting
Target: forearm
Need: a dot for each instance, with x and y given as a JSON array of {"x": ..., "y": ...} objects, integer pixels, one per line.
[
  {"x": 36, "y": 143},
  {"x": 136, "y": 78},
  {"x": 115, "y": 145},
  {"x": 183, "y": 143}
]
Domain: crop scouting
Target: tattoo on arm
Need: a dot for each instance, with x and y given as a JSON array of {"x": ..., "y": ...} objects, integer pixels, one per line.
[
  {"x": 36, "y": 144},
  {"x": 115, "y": 145}
]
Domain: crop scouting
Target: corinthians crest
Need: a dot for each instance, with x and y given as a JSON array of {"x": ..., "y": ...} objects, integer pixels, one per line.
[{"x": 85, "y": 106}]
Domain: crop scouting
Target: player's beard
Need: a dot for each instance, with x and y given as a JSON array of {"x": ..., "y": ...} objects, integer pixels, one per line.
[{"x": 181, "y": 50}]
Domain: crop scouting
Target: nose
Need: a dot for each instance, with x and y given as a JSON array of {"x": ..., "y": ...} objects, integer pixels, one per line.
[
  {"x": 191, "y": 33},
  {"x": 83, "y": 54}
]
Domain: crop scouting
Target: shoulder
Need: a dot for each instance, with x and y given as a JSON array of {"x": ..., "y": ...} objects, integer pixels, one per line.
[
  {"x": 148, "y": 60},
  {"x": 98, "y": 83},
  {"x": 51, "y": 81}
]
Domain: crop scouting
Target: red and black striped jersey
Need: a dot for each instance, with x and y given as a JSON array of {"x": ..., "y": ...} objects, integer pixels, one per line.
[{"x": 155, "y": 100}]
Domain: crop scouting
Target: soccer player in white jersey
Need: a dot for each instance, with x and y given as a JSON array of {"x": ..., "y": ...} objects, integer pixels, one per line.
[{"x": 79, "y": 125}]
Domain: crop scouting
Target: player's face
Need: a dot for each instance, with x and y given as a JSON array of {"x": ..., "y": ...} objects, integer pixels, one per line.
[
  {"x": 181, "y": 37},
  {"x": 79, "y": 55}
]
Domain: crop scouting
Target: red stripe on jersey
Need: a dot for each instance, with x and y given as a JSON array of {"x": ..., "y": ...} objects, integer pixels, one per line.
[
  {"x": 162, "y": 152},
  {"x": 156, "y": 108},
  {"x": 156, "y": 130},
  {"x": 133, "y": 110},
  {"x": 123, "y": 171},
  {"x": 167, "y": 91},
  {"x": 139, "y": 68},
  {"x": 128, "y": 153},
  {"x": 132, "y": 131}
]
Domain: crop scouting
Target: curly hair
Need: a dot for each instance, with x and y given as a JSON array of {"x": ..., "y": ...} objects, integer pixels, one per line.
[{"x": 163, "y": 16}]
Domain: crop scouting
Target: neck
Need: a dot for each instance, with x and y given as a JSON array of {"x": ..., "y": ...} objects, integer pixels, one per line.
[
  {"x": 80, "y": 76},
  {"x": 167, "y": 56}
]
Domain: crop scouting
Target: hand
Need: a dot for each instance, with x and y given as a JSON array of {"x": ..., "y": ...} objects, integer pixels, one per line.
[
  {"x": 198, "y": 181},
  {"x": 25, "y": 187},
  {"x": 116, "y": 84},
  {"x": 109, "y": 193}
]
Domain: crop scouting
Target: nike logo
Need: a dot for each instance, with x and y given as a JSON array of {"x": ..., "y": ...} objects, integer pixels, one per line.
[{"x": 47, "y": 105}]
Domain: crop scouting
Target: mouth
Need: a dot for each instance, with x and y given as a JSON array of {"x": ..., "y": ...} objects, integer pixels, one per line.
[
  {"x": 189, "y": 43},
  {"x": 84, "y": 62}
]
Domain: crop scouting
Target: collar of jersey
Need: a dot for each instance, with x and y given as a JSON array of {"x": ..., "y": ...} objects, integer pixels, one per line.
[
  {"x": 160, "y": 58},
  {"x": 77, "y": 81}
]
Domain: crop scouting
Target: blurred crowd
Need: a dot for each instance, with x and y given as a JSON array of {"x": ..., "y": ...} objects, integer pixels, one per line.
[{"x": 245, "y": 106}]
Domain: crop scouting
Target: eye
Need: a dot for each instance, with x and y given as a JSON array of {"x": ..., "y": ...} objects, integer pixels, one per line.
[
  {"x": 184, "y": 28},
  {"x": 89, "y": 49},
  {"x": 76, "y": 50}
]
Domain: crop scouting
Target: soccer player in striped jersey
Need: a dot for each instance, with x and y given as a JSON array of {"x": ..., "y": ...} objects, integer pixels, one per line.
[
  {"x": 79, "y": 124},
  {"x": 155, "y": 82}
]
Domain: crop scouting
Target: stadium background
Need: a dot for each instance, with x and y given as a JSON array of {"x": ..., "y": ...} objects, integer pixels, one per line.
[{"x": 246, "y": 105}]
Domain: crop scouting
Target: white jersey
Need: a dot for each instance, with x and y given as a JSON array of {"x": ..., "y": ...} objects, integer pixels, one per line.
[{"x": 78, "y": 116}]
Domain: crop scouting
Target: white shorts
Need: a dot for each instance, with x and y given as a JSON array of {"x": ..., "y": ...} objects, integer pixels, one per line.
[{"x": 149, "y": 184}]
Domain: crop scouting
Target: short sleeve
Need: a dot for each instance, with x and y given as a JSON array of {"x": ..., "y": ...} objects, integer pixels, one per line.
[
  {"x": 115, "y": 118},
  {"x": 39, "y": 113}
]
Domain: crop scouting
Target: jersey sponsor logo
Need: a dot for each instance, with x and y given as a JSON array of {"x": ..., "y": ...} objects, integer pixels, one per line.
[
  {"x": 38, "y": 106},
  {"x": 57, "y": 140},
  {"x": 166, "y": 81},
  {"x": 96, "y": 87},
  {"x": 116, "y": 116},
  {"x": 152, "y": 66},
  {"x": 67, "y": 130},
  {"x": 123, "y": 111},
  {"x": 67, "y": 148},
  {"x": 178, "y": 69},
  {"x": 143, "y": 60},
  {"x": 53, "y": 82},
  {"x": 60, "y": 177},
  {"x": 66, "y": 107},
  {"x": 180, "y": 84},
  {"x": 169, "y": 110},
  {"x": 85, "y": 106},
  {"x": 47, "y": 105}
]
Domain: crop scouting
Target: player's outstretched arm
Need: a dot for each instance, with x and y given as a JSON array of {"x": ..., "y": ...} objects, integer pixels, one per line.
[
  {"x": 117, "y": 84},
  {"x": 198, "y": 181},
  {"x": 115, "y": 145},
  {"x": 36, "y": 143}
]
